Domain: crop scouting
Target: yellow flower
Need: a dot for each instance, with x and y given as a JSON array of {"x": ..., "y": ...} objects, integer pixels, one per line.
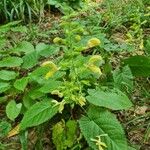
[
  {"x": 95, "y": 58},
  {"x": 57, "y": 92},
  {"x": 95, "y": 69},
  {"x": 81, "y": 101},
  {"x": 92, "y": 64},
  {"x": 101, "y": 145},
  {"x": 53, "y": 68},
  {"x": 59, "y": 104},
  {"x": 49, "y": 74},
  {"x": 57, "y": 40},
  {"x": 93, "y": 42}
]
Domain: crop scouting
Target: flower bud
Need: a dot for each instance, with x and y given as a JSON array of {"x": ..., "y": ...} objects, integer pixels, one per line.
[
  {"x": 95, "y": 69},
  {"x": 57, "y": 40},
  {"x": 81, "y": 101},
  {"x": 57, "y": 92},
  {"x": 78, "y": 38},
  {"x": 53, "y": 68},
  {"x": 95, "y": 58},
  {"x": 93, "y": 42}
]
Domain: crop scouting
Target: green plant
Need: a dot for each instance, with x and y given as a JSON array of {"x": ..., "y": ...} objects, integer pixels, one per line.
[
  {"x": 28, "y": 10},
  {"x": 75, "y": 85},
  {"x": 11, "y": 27},
  {"x": 60, "y": 4},
  {"x": 22, "y": 9}
]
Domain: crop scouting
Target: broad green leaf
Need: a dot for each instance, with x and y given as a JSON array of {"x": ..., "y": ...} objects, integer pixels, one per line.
[
  {"x": 123, "y": 79},
  {"x": 11, "y": 62},
  {"x": 28, "y": 101},
  {"x": 25, "y": 47},
  {"x": 30, "y": 60},
  {"x": 7, "y": 75},
  {"x": 50, "y": 86},
  {"x": 5, "y": 127},
  {"x": 101, "y": 122},
  {"x": 140, "y": 65},
  {"x": 38, "y": 74},
  {"x": 21, "y": 84},
  {"x": 35, "y": 93},
  {"x": 38, "y": 114},
  {"x": 4, "y": 86},
  {"x": 115, "y": 100},
  {"x": 46, "y": 50},
  {"x": 13, "y": 109}
]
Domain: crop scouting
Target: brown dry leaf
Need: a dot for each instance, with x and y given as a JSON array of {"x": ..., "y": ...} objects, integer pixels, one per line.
[
  {"x": 141, "y": 110},
  {"x": 14, "y": 131}
]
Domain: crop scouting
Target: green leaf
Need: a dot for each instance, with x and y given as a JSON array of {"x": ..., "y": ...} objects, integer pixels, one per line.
[
  {"x": 13, "y": 110},
  {"x": 46, "y": 50},
  {"x": 21, "y": 84},
  {"x": 4, "y": 128},
  {"x": 11, "y": 62},
  {"x": 50, "y": 86},
  {"x": 38, "y": 74},
  {"x": 7, "y": 75},
  {"x": 64, "y": 135},
  {"x": 140, "y": 65},
  {"x": 23, "y": 136},
  {"x": 4, "y": 86},
  {"x": 28, "y": 101},
  {"x": 114, "y": 100},
  {"x": 58, "y": 135},
  {"x": 71, "y": 127},
  {"x": 99, "y": 122},
  {"x": 123, "y": 79},
  {"x": 35, "y": 93},
  {"x": 25, "y": 47},
  {"x": 30, "y": 60},
  {"x": 38, "y": 114}
]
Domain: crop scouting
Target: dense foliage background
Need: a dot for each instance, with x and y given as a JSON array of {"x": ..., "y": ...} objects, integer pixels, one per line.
[{"x": 75, "y": 74}]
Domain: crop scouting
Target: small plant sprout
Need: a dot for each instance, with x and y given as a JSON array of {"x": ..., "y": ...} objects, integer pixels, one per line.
[{"x": 101, "y": 145}]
